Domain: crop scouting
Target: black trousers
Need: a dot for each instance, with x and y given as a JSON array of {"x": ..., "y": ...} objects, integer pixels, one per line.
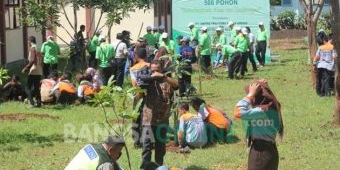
[
  {"x": 137, "y": 125},
  {"x": 324, "y": 82},
  {"x": 263, "y": 155},
  {"x": 105, "y": 73},
  {"x": 48, "y": 68},
  {"x": 154, "y": 137},
  {"x": 118, "y": 71},
  {"x": 92, "y": 60},
  {"x": 242, "y": 65},
  {"x": 184, "y": 82},
  {"x": 261, "y": 52},
  {"x": 33, "y": 89},
  {"x": 205, "y": 63},
  {"x": 234, "y": 62}
]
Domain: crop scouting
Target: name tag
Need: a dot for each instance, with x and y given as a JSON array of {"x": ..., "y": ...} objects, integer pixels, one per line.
[{"x": 90, "y": 152}]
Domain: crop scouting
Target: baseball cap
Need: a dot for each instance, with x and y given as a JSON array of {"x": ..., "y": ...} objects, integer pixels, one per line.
[
  {"x": 164, "y": 35},
  {"x": 238, "y": 28},
  {"x": 244, "y": 30},
  {"x": 185, "y": 39},
  {"x": 155, "y": 28},
  {"x": 114, "y": 141},
  {"x": 141, "y": 39},
  {"x": 230, "y": 23},
  {"x": 102, "y": 38},
  {"x": 218, "y": 29},
  {"x": 218, "y": 45},
  {"x": 149, "y": 28},
  {"x": 190, "y": 24},
  {"x": 161, "y": 27},
  {"x": 260, "y": 23},
  {"x": 204, "y": 28}
]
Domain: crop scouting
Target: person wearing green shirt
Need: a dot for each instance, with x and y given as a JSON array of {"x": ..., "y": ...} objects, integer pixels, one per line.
[
  {"x": 194, "y": 35},
  {"x": 234, "y": 30},
  {"x": 161, "y": 30},
  {"x": 149, "y": 37},
  {"x": 242, "y": 44},
  {"x": 231, "y": 55},
  {"x": 156, "y": 35},
  {"x": 261, "y": 44},
  {"x": 104, "y": 53},
  {"x": 168, "y": 44},
  {"x": 203, "y": 49},
  {"x": 92, "y": 47},
  {"x": 50, "y": 51},
  {"x": 218, "y": 38}
]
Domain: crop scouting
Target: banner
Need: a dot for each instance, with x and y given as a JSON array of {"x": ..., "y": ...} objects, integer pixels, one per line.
[{"x": 217, "y": 13}]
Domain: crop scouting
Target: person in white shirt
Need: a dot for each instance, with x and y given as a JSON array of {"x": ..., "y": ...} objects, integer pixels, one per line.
[{"x": 120, "y": 59}]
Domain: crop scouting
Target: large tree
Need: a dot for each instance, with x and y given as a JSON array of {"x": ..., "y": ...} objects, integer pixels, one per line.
[
  {"x": 335, "y": 11},
  {"x": 312, "y": 12}
]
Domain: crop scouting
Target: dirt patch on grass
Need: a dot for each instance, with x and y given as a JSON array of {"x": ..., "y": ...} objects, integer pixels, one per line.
[
  {"x": 23, "y": 116},
  {"x": 171, "y": 147},
  {"x": 288, "y": 34}
]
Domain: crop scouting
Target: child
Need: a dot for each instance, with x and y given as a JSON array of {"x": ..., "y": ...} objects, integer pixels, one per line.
[{"x": 192, "y": 130}]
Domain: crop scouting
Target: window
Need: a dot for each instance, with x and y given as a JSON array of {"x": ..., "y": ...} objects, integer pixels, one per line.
[
  {"x": 286, "y": 2},
  {"x": 12, "y": 17}
]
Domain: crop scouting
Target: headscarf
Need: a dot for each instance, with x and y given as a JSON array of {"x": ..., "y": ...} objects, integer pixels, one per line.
[{"x": 266, "y": 100}]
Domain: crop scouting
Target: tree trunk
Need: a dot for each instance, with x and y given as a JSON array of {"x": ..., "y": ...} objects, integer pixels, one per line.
[
  {"x": 109, "y": 27},
  {"x": 336, "y": 41},
  {"x": 311, "y": 29}
]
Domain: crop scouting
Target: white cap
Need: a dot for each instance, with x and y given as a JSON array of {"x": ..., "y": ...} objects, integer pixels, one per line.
[
  {"x": 50, "y": 37},
  {"x": 260, "y": 23},
  {"x": 218, "y": 45},
  {"x": 204, "y": 28},
  {"x": 218, "y": 29},
  {"x": 238, "y": 28},
  {"x": 164, "y": 35},
  {"x": 244, "y": 30},
  {"x": 230, "y": 23},
  {"x": 190, "y": 24},
  {"x": 321, "y": 30}
]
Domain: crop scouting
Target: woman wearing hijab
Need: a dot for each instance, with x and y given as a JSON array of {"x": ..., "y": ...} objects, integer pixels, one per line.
[{"x": 261, "y": 112}]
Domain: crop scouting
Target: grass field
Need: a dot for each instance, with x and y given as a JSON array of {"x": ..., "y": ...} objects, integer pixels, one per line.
[{"x": 310, "y": 142}]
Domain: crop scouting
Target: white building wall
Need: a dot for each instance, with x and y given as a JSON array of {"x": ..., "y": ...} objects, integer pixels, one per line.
[{"x": 14, "y": 45}]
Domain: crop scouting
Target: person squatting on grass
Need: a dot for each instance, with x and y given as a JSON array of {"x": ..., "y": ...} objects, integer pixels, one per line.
[
  {"x": 46, "y": 86},
  {"x": 260, "y": 111},
  {"x": 99, "y": 156},
  {"x": 323, "y": 63},
  {"x": 13, "y": 90},
  {"x": 217, "y": 123},
  {"x": 192, "y": 131},
  {"x": 85, "y": 89},
  {"x": 156, "y": 110},
  {"x": 64, "y": 91}
]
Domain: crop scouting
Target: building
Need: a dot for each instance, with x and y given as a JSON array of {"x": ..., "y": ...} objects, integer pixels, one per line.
[
  {"x": 13, "y": 36},
  {"x": 294, "y": 5}
]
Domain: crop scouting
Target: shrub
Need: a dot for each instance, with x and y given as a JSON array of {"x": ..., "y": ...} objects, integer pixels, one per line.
[
  {"x": 286, "y": 19},
  {"x": 300, "y": 22},
  {"x": 325, "y": 23}
]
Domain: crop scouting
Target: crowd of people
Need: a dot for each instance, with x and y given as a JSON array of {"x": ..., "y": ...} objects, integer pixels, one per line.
[{"x": 148, "y": 69}]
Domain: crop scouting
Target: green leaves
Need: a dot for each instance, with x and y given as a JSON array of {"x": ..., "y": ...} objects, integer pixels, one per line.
[{"x": 3, "y": 75}]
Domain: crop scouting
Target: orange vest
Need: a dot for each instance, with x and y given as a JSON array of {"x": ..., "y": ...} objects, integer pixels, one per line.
[
  {"x": 65, "y": 86},
  {"x": 217, "y": 118}
]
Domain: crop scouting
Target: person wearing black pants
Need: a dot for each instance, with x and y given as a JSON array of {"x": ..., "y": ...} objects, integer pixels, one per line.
[
  {"x": 243, "y": 64},
  {"x": 118, "y": 71},
  {"x": 261, "y": 47},
  {"x": 233, "y": 63},
  {"x": 49, "y": 68},
  {"x": 33, "y": 89}
]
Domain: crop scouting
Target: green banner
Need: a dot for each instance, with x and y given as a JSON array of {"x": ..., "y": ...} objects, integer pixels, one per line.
[{"x": 217, "y": 13}]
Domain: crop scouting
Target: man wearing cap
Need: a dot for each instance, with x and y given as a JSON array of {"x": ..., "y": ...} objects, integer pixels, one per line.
[
  {"x": 99, "y": 156},
  {"x": 166, "y": 43},
  {"x": 122, "y": 54},
  {"x": 218, "y": 38},
  {"x": 188, "y": 56},
  {"x": 194, "y": 35},
  {"x": 242, "y": 44},
  {"x": 156, "y": 34},
  {"x": 262, "y": 40},
  {"x": 104, "y": 53},
  {"x": 231, "y": 55},
  {"x": 50, "y": 51},
  {"x": 233, "y": 31},
  {"x": 92, "y": 49},
  {"x": 150, "y": 39},
  {"x": 161, "y": 29},
  {"x": 203, "y": 49}
]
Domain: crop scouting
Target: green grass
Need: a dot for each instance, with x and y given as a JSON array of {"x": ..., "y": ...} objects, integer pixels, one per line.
[{"x": 310, "y": 141}]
